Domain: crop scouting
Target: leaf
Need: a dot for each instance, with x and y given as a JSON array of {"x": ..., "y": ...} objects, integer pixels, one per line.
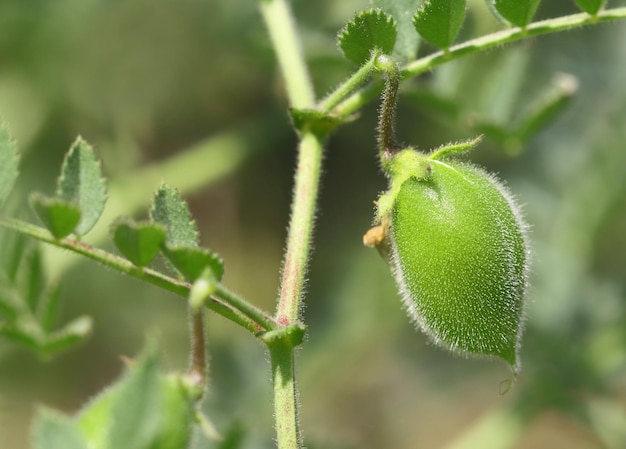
[
  {"x": 453, "y": 149},
  {"x": 138, "y": 242},
  {"x": 191, "y": 261},
  {"x": 169, "y": 209},
  {"x": 48, "y": 311},
  {"x": 36, "y": 279},
  {"x": 94, "y": 419},
  {"x": 546, "y": 107},
  {"x": 407, "y": 41},
  {"x": 179, "y": 412},
  {"x": 369, "y": 30},
  {"x": 502, "y": 86},
  {"x": 144, "y": 409},
  {"x": 320, "y": 122},
  {"x": 12, "y": 250},
  {"x": 234, "y": 437},
  {"x": 53, "y": 430},
  {"x": 136, "y": 414},
  {"x": 518, "y": 12},
  {"x": 23, "y": 331},
  {"x": 69, "y": 336},
  {"x": 81, "y": 182},
  {"x": 439, "y": 21},
  {"x": 59, "y": 216},
  {"x": 590, "y": 6},
  {"x": 8, "y": 163}
]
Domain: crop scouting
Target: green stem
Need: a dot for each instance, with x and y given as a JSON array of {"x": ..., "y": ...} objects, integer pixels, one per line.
[
  {"x": 226, "y": 304},
  {"x": 254, "y": 313},
  {"x": 300, "y": 228},
  {"x": 198, "y": 366},
  {"x": 285, "y": 399},
  {"x": 282, "y": 31},
  {"x": 355, "y": 81},
  {"x": 357, "y": 100},
  {"x": 387, "y": 142}
]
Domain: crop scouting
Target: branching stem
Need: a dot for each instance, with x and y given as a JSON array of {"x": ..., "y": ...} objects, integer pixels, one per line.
[
  {"x": 358, "y": 99},
  {"x": 286, "y": 42},
  {"x": 224, "y": 301}
]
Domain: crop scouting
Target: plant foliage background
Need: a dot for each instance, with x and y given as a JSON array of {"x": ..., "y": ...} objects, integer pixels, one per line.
[{"x": 188, "y": 91}]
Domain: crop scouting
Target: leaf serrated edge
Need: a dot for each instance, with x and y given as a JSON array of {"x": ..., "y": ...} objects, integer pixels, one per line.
[
  {"x": 349, "y": 28},
  {"x": 101, "y": 188}
]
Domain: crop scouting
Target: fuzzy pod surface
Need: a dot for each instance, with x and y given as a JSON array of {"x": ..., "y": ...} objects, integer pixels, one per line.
[{"x": 459, "y": 257}]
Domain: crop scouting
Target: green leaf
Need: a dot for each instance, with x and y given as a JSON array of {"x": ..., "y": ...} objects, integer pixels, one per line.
[
  {"x": 407, "y": 41},
  {"x": 169, "y": 209},
  {"x": 36, "y": 279},
  {"x": 81, "y": 182},
  {"x": 590, "y": 6},
  {"x": 67, "y": 337},
  {"x": 13, "y": 248},
  {"x": 234, "y": 437},
  {"x": 138, "y": 242},
  {"x": 142, "y": 410},
  {"x": 502, "y": 85},
  {"x": 136, "y": 414},
  {"x": 94, "y": 419},
  {"x": 314, "y": 120},
  {"x": 59, "y": 216},
  {"x": 518, "y": 12},
  {"x": 53, "y": 430},
  {"x": 175, "y": 430},
  {"x": 453, "y": 149},
  {"x": 369, "y": 30},
  {"x": 439, "y": 21},
  {"x": 8, "y": 163},
  {"x": 23, "y": 331},
  {"x": 545, "y": 108},
  {"x": 191, "y": 261},
  {"x": 48, "y": 312}
]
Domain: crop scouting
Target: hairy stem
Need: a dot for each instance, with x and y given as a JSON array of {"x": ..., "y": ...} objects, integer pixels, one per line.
[
  {"x": 282, "y": 30},
  {"x": 198, "y": 366},
  {"x": 358, "y": 99},
  {"x": 300, "y": 229},
  {"x": 355, "y": 81},
  {"x": 285, "y": 400},
  {"x": 387, "y": 142}
]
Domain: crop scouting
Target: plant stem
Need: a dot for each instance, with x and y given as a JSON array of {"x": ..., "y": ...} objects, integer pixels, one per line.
[
  {"x": 285, "y": 400},
  {"x": 226, "y": 304},
  {"x": 387, "y": 142},
  {"x": 357, "y": 100},
  {"x": 282, "y": 31},
  {"x": 300, "y": 229},
  {"x": 359, "y": 77},
  {"x": 198, "y": 366}
]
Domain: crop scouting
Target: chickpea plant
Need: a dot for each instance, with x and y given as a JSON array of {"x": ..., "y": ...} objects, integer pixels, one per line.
[{"x": 452, "y": 233}]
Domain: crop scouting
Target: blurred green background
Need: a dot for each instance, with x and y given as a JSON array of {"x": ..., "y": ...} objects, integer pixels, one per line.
[{"x": 188, "y": 91}]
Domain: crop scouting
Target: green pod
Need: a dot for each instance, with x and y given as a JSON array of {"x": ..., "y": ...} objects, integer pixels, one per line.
[{"x": 459, "y": 255}]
